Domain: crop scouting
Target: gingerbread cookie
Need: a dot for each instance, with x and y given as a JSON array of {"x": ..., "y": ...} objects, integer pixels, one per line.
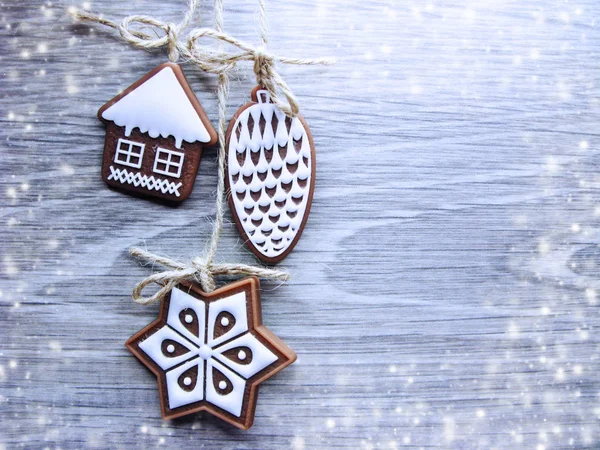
[
  {"x": 211, "y": 351},
  {"x": 270, "y": 175},
  {"x": 155, "y": 131}
]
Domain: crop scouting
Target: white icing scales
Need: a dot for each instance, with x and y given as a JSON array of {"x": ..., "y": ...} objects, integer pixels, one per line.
[
  {"x": 207, "y": 357},
  {"x": 159, "y": 107},
  {"x": 269, "y": 170}
]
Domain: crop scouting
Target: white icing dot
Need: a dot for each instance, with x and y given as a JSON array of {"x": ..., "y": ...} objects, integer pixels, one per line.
[
  {"x": 187, "y": 381},
  {"x": 241, "y": 355},
  {"x": 170, "y": 348},
  {"x": 205, "y": 352},
  {"x": 189, "y": 318},
  {"x": 224, "y": 321},
  {"x": 222, "y": 384}
]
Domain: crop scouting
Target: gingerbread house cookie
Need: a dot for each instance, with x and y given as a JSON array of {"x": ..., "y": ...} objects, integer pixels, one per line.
[{"x": 155, "y": 131}]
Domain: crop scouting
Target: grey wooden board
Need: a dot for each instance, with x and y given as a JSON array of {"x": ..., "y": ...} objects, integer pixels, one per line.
[{"x": 444, "y": 291}]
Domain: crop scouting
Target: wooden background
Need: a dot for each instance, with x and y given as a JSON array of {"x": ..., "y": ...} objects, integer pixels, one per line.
[{"x": 444, "y": 293}]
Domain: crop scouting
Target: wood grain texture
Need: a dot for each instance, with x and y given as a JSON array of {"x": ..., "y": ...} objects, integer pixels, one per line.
[{"x": 444, "y": 293}]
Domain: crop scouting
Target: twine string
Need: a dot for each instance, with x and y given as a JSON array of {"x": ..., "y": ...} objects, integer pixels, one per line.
[
  {"x": 217, "y": 62},
  {"x": 196, "y": 270},
  {"x": 204, "y": 269},
  {"x": 222, "y": 94}
]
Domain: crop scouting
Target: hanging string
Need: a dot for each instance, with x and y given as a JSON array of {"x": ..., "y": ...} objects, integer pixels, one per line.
[
  {"x": 196, "y": 270},
  {"x": 222, "y": 93},
  {"x": 211, "y": 61},
  {"x": 203, "y": 270}
]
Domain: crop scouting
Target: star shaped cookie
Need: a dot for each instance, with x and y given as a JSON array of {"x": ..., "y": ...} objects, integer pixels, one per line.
[{"x": 210, "y": 352}]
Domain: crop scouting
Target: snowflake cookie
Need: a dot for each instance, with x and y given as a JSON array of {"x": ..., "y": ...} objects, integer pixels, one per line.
[{"x": 210, "y": 351}]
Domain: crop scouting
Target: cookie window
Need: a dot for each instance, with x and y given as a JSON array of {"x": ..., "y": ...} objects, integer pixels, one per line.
[
  {"x": 168, "y": 162},
  {"x": 129, "y": 153}
]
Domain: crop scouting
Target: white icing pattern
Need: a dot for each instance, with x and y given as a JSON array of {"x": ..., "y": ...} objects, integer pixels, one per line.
[
  {"x": 151, "y": 182},
  {"x": 159, "y": 107},
  {"x": 269, "y": 170},
  {"x": 204, "y": 356}
]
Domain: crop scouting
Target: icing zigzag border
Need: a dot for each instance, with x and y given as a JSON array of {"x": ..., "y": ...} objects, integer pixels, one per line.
[{"x": 149, "y": 182}]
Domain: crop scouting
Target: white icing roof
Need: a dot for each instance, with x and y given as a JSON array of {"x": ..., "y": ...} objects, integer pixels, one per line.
[{"x": 159, "y": 107}]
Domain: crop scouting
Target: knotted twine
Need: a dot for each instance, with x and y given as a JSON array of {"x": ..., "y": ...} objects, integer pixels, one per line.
[
  {"x": 211, "y": 61},
  {"x": 204, "y": 269}
]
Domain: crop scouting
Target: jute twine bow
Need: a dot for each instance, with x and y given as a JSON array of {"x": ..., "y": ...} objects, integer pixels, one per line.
[
  {"x": 198, "y": 269},
  {"x": 217, "y": 62},
  {"x": 203, "y": 269}
]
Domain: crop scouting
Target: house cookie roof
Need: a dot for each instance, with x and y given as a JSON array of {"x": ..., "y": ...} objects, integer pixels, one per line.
[{"x": 161, "y": 104}]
